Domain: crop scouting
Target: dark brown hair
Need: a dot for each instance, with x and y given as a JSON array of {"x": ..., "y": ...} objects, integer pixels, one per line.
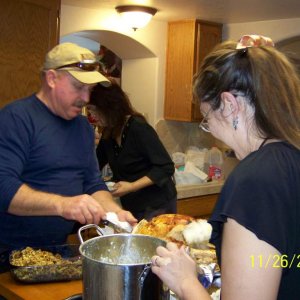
[
  {"x": 113, "y": 104},
  {"x": 266, "y": 78}
]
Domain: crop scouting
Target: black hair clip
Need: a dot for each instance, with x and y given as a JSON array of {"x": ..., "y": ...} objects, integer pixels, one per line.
[{"x": 242, "y": 52}]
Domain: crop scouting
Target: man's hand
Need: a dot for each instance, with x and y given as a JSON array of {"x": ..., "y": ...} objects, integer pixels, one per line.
[
  {"x": 125, "y": 215},
  {"x": 83, "y": 209}
]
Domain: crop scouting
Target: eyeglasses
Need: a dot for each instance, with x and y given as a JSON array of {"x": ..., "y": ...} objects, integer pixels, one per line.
[
  {"x": 204, "y": 123},
  {"x": 83, "y": 66}
]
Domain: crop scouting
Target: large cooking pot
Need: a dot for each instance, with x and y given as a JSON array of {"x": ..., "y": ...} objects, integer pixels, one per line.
[{"x": 118, "y": 266}]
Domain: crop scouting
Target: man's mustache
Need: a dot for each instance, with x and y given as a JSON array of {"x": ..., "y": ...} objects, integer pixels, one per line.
[{"x": 80, "y": 103}]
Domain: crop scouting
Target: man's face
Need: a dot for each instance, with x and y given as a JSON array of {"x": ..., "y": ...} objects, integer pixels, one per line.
[{"x": 70, "y": 95}]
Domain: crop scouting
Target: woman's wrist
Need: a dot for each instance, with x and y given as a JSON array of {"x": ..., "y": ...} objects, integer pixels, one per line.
[
  {"x": 134, "y": 186},
  {"x": 189, "y": 289},
  {"x": 141, "y": 183}
]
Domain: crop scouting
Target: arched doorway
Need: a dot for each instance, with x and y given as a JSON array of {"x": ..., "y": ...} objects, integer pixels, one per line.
[
  {"x": 124, "y": 46},
  {"x": 139, "y": 65}
]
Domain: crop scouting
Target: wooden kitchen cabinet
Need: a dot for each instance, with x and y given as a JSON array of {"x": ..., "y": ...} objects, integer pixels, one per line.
[
  {"x": 198, "y": 207},
  {"x": 29, "y": 29},
  {"x": 189, "y": 42}
]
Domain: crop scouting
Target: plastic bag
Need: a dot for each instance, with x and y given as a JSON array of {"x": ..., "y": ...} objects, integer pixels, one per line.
[
  {"x": 178, "y": 159},
  {"x": 190, "y": 167},
  {"x": 190, "y": 175},
  {"x": 196, "y": 156}
]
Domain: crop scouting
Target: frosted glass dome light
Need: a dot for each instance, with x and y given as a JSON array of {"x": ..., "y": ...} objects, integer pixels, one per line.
[{"x": 136, "y": 16}]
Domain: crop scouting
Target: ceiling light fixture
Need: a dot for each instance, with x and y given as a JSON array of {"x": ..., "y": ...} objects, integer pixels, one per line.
[{"x": 136, "y": 16}]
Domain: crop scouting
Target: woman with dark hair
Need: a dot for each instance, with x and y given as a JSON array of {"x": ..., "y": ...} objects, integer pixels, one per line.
[
  {"x": 249, "y": 96},
  {"x": 141, "y": 167}
]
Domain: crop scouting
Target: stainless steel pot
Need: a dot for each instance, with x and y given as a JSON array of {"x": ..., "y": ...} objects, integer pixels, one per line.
[{"x": 118, "y": 267}]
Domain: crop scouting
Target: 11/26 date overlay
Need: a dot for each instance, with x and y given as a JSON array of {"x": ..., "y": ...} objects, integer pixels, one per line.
[{"x": 275, "y": 261}]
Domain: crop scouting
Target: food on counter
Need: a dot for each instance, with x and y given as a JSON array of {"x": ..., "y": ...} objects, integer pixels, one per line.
[
  {"x": 182, "y": 230},
  {"x": 216, "y": 295},
  {"x": 197, "y": 233},
  {"x": 175, "y": 234},
  {"x": 31, "y": 257},
  {"x": 204, "y": 256},
  {"x": 36, "y": 265},
  {"x": 166, "y": 226}
]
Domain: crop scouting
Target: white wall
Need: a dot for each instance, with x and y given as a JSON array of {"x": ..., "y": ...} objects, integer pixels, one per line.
[
  {"x": 135, "y": 73},
  {"x": 275, "y": 29},
  {"x": 144, "y": 79},
  {"x": 147, "y": 89}
]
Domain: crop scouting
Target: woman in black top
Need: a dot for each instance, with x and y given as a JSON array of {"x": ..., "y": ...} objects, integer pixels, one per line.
[
  {"x": 141, "y": 167},
  {"x": 249, "y": 96}
]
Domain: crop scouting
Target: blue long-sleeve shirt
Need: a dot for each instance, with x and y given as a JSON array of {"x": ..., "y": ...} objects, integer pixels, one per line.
[{"x": 48, "y": 154}]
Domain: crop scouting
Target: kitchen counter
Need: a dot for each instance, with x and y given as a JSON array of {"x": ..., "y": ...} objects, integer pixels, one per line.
[
  {"x": 208, "y": 188},
  {"x": 198, "y": 200},
  {"x": 12, "y": 290}
]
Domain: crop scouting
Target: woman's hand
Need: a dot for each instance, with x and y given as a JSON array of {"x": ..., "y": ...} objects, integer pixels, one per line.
[
  {"x": 122, "y": 188},
  {"x": 176, "y": 269}
]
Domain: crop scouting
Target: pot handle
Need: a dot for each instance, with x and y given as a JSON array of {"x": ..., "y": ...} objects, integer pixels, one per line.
[
  {"x": 144, "y": 274},
  {"x": 142, "y": 277},
  {"x": 98, "y": 229}
]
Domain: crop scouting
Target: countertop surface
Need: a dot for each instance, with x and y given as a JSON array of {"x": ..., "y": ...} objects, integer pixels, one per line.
[
  {"x": 187, "y": 191},
  {"x": 13, "y": 290}
]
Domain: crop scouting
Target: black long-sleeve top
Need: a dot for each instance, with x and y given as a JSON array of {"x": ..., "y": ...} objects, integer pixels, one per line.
[{"x": 140, "y": 154}]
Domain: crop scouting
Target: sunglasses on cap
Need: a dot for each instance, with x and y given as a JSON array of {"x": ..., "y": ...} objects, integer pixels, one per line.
[{"x": 83, "y": 66}]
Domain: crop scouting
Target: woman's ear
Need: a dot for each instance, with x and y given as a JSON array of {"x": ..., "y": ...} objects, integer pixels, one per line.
[{"x": 229, "y": 105}]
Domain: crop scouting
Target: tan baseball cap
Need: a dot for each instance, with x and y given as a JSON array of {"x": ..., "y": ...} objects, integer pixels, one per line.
[{"x": 80, "y": 62}]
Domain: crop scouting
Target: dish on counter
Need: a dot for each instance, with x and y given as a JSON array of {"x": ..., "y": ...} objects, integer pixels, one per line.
[
  {"x": 46, "y": 264},
  {"x": 110, "y": 185}
]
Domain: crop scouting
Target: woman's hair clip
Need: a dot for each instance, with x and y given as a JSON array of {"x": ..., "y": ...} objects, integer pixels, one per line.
[{"x": 247, "y": 41}]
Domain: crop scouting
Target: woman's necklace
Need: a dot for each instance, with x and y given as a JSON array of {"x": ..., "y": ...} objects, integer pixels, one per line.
[{"x": 263, "y": 142}]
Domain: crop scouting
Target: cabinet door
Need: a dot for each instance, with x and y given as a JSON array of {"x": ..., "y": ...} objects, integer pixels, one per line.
[
  {"x": 180, "y": 70},
  {"x": 29, "y": 28},
  {"x": 197, "y": 207},
  {"x": 208, "y": 36},
  {"x": 188, "y": 43}
]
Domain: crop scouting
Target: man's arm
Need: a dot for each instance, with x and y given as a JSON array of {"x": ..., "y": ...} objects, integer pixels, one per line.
[
  {"x": 105, "y": 199},
  {"x": 81, "y": 208}
]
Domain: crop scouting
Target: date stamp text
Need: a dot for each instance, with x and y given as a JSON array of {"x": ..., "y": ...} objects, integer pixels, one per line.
[{"x": 275, "y": 261}]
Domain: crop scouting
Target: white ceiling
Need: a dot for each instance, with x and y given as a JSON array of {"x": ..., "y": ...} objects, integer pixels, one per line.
[{"x": 222, "y": 11}]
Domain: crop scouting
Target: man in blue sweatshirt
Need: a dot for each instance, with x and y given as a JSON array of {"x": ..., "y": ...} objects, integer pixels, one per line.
[{"x": 49, "y": 176}]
